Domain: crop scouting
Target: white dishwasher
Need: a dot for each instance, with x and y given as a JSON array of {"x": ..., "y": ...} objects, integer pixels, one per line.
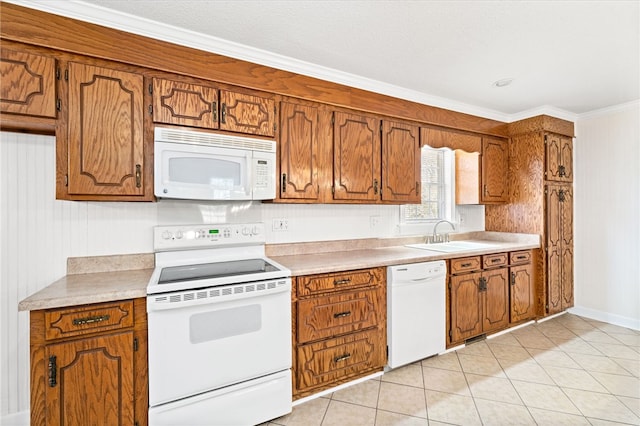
[{"x": 415, "y": 311}]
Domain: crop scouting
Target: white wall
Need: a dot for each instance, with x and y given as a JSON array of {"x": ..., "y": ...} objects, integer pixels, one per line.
[
  {"x": 38, "y": 233},
  {"x": 607, "y": 215}
]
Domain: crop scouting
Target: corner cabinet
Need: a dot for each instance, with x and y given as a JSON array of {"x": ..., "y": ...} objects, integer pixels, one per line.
[
  {"x": 101, "y": 138},
  {"x": 89, "y": 364},
  {"x": 541, "y": 194},
  {"x": 339, "y": 328}
]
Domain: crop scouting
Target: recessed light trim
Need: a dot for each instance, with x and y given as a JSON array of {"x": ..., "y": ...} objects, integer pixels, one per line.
[{"x": 502, "y": 82}]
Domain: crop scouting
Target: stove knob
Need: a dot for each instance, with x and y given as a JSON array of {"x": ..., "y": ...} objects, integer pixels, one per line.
[
  {"x": 179, "y": 235},
  {"x": 245, "y": 231},
  {"x": 255, "y": 230},
  {"x": 166, "y": 235}
]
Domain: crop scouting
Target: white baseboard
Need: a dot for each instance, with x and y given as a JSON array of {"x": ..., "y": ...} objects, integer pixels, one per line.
[
  {"x": 21, "y": 418},
  {"x": 619, "y": 320}
]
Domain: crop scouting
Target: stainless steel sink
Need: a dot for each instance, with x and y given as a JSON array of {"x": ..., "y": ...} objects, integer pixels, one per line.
[{"x": 452, "y": 246}]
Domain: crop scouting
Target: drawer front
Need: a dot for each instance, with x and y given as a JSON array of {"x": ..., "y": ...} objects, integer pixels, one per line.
[
  {"x": 80, "y": 320},
  {"x": 495, "y": 260},
  {"x": 335, "y": 314},
  {"x": 520, "y": 257},
  {"x": 465, "y": 264},
  {"x": 322, "y": 283},
  {"x": 336, "y": 359}
]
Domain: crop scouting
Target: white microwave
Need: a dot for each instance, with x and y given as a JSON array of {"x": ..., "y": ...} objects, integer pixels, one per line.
[{"x": 211, "y": 166}]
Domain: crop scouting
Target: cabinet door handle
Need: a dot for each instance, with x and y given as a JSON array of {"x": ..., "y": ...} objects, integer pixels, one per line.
[
  {"x": 223, "y": 113},
  {"x": 214, "y": 110},
  {"x": 90, "y": 320},
  {"x": 513, "y": 278},
  {"x": 342, "y": 358},
  {"x": 342, "y": 314},
  {"x": 342, "y": 282},
  {"x": 482, "y": 284},
  {"x": 53, "y": 371},
  {"x": 284, "y": 182},
  {"x": 375, "y": 186},
  {"x": 138, "y": 175},
  {"x": 562, "y": 171}
]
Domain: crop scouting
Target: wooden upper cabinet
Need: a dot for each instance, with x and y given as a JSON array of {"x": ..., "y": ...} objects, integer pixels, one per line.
[
  {"x": 559, "y": 156},
  {"x": 356, "y": 157},
  {"x": 28, "y": 83},
  {"x": 105, "y": 135},
  {"x": 185, "y": 104},
  {"x": 495, "y": 168},
  {"x": 245, "y": 113},
  {"x": 400, "y": 162},
  {"x": 298, "y": 151}
]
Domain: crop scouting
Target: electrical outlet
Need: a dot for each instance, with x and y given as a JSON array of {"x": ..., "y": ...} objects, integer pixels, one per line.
[
  {"x": 280, "y": 225},
  {"x": 374, "y": 221}
]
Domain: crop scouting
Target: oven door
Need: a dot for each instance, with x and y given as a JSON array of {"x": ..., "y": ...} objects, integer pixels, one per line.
[
  {"x": 209, "y": 338},
  {"x": 202, "y": 172}
]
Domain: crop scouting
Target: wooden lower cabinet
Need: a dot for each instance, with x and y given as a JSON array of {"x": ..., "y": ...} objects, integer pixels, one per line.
[
  {"x": 339, "y": 328},
  {"x": 89, "y": 364},
  {"x": 522, "y": 287}
]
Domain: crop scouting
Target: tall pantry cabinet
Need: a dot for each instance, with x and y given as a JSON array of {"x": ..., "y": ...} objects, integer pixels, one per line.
[{"x": 541, "y": 202}]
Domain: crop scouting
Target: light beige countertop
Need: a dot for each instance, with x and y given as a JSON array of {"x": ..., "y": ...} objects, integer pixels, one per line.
[{"x": 108, "y": 278}]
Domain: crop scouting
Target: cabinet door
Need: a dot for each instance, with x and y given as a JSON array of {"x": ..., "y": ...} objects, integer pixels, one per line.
[
  {"x": 90, "y": 381},
  {"x": 243, "y": 113},
  {"x": 554, "y": 248},
  {"x": 356, "y": 157},
  {"x": 522, "y": 293},
  {"x": 566, "y": 254},
  {"x": 105, "y": 131},
  {"x": 298, "y": 147},
  {"x": 28, "y": 83},
  {"x": 400, "y": 162},
  {"x": 495, "y": 168},
  {"x": 185, "y": 104},
  {"x": 495, "y": 299},
  {"x": 559, "y": 158},
  {"x": 466, "y": 310}
]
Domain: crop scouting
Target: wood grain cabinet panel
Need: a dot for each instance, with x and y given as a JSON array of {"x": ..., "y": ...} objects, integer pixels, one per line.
[
  {"x": 94, "y": 376},
  {"x": 400, "y": 162},
  {"x": 559, "y": 158},
  {"x": 105, "y": 137},
  {"x": 336, "y": 281},
  {"x": 495, "y": 299},
  {"x": 356, "y": 150},
  {"x": 247, "y": 113},
  {"x": 185, "y": 104},
  {"x": 522, "y": 293},
  {"x": 466, "y": 309},
  {"x": 28, "y": 83},
  {"x": 298, "y": 151},
  {"x": 76, "y": 395},
  {"x": 559, "y": 208},
  {"x": 495, "y": 168}
]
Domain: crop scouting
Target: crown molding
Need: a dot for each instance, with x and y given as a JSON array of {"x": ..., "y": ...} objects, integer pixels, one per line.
[{"x": 611, "y": 109}]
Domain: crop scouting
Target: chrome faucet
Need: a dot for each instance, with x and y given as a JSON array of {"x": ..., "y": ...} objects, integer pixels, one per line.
[{"x": 435, "y": 238}]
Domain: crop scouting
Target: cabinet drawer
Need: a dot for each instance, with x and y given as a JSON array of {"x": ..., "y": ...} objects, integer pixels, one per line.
[
  {"x": 520, "y": 257},
  {"x": 495, "y": 260},
  {"x": 336, "y": 359},
  {"x": 335, "y": 314},
  {"x": 465, "y": 264},
  {"x": 315, "y": 284},
  {"x": 77, "y": 321}
]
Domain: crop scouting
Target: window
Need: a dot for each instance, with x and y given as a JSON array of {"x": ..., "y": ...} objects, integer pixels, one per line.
[{"x": 437, "y": 170}]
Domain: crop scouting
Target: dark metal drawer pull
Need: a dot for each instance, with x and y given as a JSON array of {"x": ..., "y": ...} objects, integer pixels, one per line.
[
  {"x": 465, "y": 265},
  {"x": 342, "y": 314},
  {"x": 90, "y": 320},
  {"x": 521, "y": 257},
  {"x": 342, "y": 282},
  {"x": 342, "y": 358},
  {"x": 495, "y": 260}
]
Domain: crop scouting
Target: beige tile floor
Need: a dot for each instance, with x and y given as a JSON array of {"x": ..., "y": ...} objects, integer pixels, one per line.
[{"x": 565, "y": 371}]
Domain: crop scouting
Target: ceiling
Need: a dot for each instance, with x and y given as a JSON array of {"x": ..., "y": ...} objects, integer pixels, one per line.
[{"x": 568, "y": 57}]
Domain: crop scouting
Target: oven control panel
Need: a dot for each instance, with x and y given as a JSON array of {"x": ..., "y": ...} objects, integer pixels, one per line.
[{"x": 210, "y": 235}]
